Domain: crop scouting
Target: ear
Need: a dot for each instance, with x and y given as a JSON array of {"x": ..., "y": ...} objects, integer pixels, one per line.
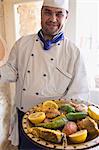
[{"x": 67, "y": 14}]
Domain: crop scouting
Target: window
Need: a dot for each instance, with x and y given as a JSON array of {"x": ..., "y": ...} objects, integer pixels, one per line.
[
  {"x": 27, "y": 17},
  {"x": 87, "y": 37}
]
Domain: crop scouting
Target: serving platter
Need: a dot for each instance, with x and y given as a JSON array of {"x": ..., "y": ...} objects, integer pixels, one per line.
[{"x": 49, "y": 145}]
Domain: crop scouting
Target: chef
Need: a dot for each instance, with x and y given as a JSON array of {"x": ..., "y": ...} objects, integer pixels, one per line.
[{"x": 44, "y": 66}]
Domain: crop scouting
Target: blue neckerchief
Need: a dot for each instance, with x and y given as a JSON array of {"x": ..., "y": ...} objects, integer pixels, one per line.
[{"x": 48, "y": 43}]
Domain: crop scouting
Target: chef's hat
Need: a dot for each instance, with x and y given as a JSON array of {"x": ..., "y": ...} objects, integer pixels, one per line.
[{"x": 56, "y": 3}]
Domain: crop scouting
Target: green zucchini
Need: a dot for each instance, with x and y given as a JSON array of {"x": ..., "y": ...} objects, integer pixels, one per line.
[
  {"x": 76, "y": 116},
  {"x": 67, "y": 107},
  {"x": 54, "y": 124}
]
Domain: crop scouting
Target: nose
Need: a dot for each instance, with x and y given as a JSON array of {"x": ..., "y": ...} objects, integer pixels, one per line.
[{"x": 53, "y": 17}]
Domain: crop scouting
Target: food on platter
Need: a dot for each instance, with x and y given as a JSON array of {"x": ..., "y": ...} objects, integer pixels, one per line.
[
  {"x": 80, "y": 107},
  {"x": 93, "y": 112},
  {"x": 54, "y": 136},
  {"x": 67, "y": 108},
  {"x": 62, "y": 121},
  {"x": 76, "y": 116},
  {"x": 70, "y": 128},
  {"x": 51, "y": 113},
  {"x": 37, "y": 117},
  {"x": 54, "y": 124},
  {"x": 78, "y": 137},
  {"x": 89, "y": 124},
  {"x": 50, "y": 104}
]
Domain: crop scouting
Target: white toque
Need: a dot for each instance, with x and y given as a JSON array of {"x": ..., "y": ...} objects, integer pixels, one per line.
[{"x": 56, "y": 3}]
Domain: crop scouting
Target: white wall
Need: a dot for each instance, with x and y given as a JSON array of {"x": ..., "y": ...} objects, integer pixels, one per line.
[
  {"x": 94, "y": 96},
  {"x": 71, "y": 21}
]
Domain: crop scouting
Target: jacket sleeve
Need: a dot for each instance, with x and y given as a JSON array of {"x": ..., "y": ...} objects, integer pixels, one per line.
[
  {"x": 9, "y": 71},
  {"x": 78, "y": 87}
]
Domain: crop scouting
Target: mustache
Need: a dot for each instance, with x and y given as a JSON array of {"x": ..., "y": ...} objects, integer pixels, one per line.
[{"x": 52, "y": 23}]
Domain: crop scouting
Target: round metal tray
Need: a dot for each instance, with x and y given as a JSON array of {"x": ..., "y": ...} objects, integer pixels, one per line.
[{"x": 48, "y": 145}]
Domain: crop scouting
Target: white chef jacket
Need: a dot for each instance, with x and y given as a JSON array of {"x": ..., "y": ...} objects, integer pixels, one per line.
[{"x": 43, "y": 74}]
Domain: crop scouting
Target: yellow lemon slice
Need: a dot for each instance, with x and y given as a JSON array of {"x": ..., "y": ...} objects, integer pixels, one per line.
[
  {"x": 37, "y": 117},
  {"x": 50, "y": 104},
  {"x": 78, "y": 137},
  {"x": 93, "y": 112}
]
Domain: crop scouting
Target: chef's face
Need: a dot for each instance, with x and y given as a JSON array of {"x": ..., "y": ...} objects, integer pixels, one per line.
[{"x": 52, "y": 20}]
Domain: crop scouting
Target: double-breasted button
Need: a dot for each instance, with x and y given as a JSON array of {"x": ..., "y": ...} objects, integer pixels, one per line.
[
  {"x": 28, "y": 71},
  {"x": 44, "y": 75},
  {"x": 21, "y": 107},
  {"x": 37, "y": 93},
  {"x": 32, "y": 54},
  {"x": 24, "y": 89},
  {"x": 52, "y": 59}
]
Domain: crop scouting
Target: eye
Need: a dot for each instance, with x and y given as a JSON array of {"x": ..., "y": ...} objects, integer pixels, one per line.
[
  {"x": 47, "y": 12},
  {"x": 59, "y": 14}
]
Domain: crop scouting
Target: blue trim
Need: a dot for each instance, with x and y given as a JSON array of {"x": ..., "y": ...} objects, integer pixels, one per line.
[{"x": 48, "y": 43}]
